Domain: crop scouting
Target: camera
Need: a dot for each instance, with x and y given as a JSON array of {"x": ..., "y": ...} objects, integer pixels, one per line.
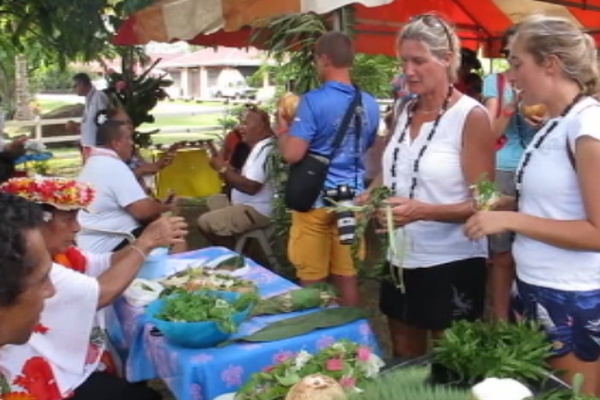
[{"x": 343, "y": 195}]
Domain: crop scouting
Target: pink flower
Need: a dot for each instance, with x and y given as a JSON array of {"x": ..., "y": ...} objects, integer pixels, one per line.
[
  {"x": 334, "y": 364},
  {"x": 364, "y": 353},
  {"x": 325, "y": 341},
  {"x": 232, "y": 376},
  {"x": 347, "y": 382},
  {"x": 120, "y": 85},
  {"x": 282, "y": 356}
]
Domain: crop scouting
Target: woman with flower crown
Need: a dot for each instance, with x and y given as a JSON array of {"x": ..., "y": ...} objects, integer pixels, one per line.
[{"x": 69, "y": 347}]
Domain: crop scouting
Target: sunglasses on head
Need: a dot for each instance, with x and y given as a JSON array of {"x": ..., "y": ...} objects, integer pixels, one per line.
[{"x": 433, "y": 21}]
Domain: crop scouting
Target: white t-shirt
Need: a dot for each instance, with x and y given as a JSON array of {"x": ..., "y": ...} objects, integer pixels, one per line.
[
  {"x": 255, "y": 169},
  {"x": 550, "y": 189},
  {"x": 116, "y": 188},
  {"x": 440, "y": 180},
  {"x": 95, "y": 101}
]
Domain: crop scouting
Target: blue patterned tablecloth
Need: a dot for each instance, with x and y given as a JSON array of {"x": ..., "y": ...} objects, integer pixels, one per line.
[{"x": 207, "y": 373}]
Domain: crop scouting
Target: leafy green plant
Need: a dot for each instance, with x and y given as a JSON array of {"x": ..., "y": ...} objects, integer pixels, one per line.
[
  {"x": 486, "y": 194},
  {"x": 204, "y": 306},
  {"x": 137, "y": 94},
  {"x": 290, "y": 41},
  {"x": 566, "y": 394},
  {"x": 477, "y": 350},
  {"x": 349, "y": 363},
  {"x": 407, "y": 384}
]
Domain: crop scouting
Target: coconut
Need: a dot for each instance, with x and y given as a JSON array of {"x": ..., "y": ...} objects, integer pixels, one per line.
[
  {"x": 288, "y": 104},
  {"x": 536, "y": 111},
  {"x": 500, "y": 389},
  {"x": 316, "y": 387}
]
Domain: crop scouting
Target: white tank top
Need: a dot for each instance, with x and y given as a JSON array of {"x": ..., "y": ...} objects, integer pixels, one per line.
[
  {"x": 550, "y": 189},
  {"x": 440, "y": 180}
]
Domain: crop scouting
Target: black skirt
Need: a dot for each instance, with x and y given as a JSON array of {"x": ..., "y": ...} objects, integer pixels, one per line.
[{"x": 436, "y": 296}]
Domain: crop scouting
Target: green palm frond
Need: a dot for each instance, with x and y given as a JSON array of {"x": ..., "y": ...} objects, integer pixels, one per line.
[{"x": 290, "y": 40}]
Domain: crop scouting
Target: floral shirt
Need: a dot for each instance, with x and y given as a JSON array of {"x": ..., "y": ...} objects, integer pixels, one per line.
[{"x": 68, "y": 344}]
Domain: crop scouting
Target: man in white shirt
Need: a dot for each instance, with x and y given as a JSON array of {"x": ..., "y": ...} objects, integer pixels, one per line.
[
  {"x": 95, "y": 101},
  {"x": 252, "y": 194},
  {"x": 121, "y": 206}
]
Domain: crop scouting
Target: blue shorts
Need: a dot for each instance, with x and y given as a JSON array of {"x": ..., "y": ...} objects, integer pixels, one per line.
[{"x": 571, "y": 319}]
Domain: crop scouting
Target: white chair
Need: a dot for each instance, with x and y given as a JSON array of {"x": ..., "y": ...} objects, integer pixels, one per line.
[{"x": 263, "y": 236}]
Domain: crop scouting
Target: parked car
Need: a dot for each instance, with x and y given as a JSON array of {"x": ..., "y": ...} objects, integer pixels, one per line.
[{"x": 233, "y": 90}]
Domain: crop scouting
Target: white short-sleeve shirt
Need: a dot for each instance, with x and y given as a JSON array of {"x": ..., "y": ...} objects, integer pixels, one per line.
[
  {"x": 255, "y": 169},
  {"x": 550, "y": 189},
  {"x": 95, "y": 101},
  {"x": 116, "y": 188}
]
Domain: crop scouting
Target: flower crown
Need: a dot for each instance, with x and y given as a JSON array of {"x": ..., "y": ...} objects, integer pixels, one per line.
[{"x": 61, "y": 193}]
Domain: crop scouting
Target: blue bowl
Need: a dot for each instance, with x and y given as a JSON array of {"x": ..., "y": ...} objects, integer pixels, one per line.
[
  {"x": 195, "y": 335},
  {"x": 155, "y": 266}
]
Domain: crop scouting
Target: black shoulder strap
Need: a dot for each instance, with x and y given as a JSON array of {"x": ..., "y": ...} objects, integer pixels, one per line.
[
  {"x": 343, "y": 128},
  {"x": 570, "y": 151}
]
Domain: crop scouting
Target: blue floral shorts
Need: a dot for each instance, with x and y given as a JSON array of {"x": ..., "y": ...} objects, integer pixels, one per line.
[{"x": 571, "y": 319}]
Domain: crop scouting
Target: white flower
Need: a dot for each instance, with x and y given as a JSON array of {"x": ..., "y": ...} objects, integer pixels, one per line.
[
  {"x": 372, "y": 366},
  {"x": 102, "y": 118},
  {"x": 302, "y": 358},
  {"x": 338, "y": 346}
]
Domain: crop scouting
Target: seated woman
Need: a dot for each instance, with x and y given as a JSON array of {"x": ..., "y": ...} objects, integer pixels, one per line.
[{"x": 69, "y": 348}]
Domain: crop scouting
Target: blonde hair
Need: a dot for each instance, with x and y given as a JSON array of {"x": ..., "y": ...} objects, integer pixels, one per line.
[
  {"x": 543, "y": 36},
  {"x": 438, "y": 36}
]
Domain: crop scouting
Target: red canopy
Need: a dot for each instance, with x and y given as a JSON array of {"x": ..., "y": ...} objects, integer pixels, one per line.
[{"x": 376, "y": 22}]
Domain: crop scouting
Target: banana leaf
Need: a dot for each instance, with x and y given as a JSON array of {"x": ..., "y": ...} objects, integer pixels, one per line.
[
  {"x": 232, "y": 263},
  {"x": 318, "y": 295},
  {"x": 301, "y": 325}
]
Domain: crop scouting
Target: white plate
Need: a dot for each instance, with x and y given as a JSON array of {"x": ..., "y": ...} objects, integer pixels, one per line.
[{"x": 226, "y": 396}]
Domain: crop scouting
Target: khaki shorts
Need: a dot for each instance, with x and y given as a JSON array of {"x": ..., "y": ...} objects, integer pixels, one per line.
[
  {"x": 505, "y": 182},
  {"x": 314, "y": 247},
  {"x": 225, "y": 219}
]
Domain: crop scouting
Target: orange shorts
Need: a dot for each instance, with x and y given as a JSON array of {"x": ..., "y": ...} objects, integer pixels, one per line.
[{"x": 314, "y": 247}]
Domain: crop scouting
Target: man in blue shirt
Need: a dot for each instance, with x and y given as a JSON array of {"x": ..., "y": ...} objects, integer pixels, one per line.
[{"x": 314, "y": 247}]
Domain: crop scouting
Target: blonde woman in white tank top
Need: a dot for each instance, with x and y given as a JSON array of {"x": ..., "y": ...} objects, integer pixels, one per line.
[{"x": 442, "y": 144}]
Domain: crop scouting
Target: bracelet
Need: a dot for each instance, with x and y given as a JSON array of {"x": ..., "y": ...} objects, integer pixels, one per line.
[
  {"x": 223, "y": 169},
  {"x": 144, "y": 255}
]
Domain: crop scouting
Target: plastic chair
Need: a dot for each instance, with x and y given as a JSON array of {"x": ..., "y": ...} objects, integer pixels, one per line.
[{"x": 262, "y": 235}]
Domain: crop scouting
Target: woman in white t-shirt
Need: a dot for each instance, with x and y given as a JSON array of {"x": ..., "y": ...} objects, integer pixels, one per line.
[{"x": 557, "y": 226}]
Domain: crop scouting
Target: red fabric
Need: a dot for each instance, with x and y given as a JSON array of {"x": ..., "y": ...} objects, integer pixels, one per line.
[
  {"x": 501, "y": 85},
  {"x": 232, "y": 139},
  {"x": 72, "y": 258}
]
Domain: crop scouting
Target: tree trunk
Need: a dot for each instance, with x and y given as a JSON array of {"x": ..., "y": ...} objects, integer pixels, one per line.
[{"x": 23, "y": 97}]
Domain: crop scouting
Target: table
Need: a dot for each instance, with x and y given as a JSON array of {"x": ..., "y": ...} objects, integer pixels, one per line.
[
  {"x": 189, "y": 175},
  {"x": 207, "y": 373}
]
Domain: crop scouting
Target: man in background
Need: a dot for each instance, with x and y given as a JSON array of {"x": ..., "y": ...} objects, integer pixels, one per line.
[{"x": 95, "y": 101}]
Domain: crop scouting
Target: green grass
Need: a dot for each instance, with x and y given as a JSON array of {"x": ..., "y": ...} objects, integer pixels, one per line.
[
  {"x": 49, "y": 105},
  {"x": 189, "y": 121}
]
